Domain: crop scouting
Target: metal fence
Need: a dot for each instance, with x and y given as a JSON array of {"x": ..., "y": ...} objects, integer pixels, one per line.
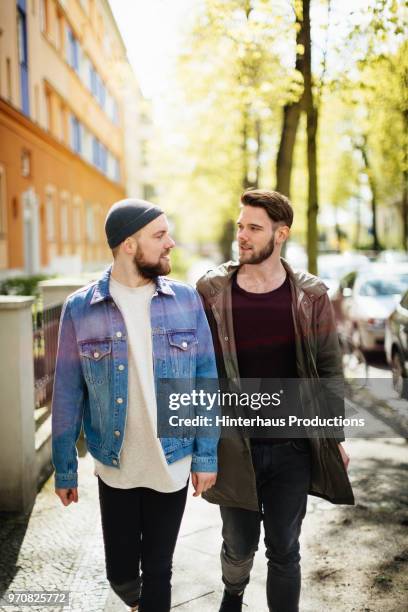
[{"x": 45, "y": 337}]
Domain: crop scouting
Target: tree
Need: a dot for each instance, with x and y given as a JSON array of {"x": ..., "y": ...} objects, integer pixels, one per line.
[
  {"x": 379, "y": 95},
  {"x": 232, "y": 83},
  {"x": 291, "y": 110}
]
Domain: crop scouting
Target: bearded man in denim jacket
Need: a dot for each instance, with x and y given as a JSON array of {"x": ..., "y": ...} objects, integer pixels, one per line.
[{"x": 118, "y": 338}]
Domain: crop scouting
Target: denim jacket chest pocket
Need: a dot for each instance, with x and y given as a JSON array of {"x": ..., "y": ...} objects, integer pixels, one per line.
[
  {"x": 96, "y": 360},
  {"x": 182, "y": 352}
]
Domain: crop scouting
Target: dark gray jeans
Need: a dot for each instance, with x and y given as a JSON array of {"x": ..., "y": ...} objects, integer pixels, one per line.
[{"x": 283, "y": 477}]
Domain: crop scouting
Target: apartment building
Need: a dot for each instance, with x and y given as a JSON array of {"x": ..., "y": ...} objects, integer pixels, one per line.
[{"x": 62, "y": 133}]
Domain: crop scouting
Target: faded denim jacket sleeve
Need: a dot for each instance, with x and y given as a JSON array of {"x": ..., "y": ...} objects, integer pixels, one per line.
[
  {"x": 67, "y": 404},
  {"x": 206, "y": 441}
]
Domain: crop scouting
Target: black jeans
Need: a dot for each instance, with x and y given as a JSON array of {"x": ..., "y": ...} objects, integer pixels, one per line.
[
  {"x": 140, "y": 528},
  {"x": 283, "y": 477}
]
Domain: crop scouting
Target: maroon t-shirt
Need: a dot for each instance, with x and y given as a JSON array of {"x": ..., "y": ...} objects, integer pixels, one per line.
[
  {"x": 265, "y": 340},
  {"x": 264, "y": 332}
]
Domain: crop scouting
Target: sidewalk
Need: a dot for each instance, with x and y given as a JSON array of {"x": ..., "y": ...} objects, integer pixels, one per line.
[{"x": 354, "y": 559}]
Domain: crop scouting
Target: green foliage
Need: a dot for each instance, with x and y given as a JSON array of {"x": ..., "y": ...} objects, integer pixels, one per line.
[
  {"x": 235, "y": 75},
  {"x": 181, "y": 261},
  {"x": 23, "y": 285},
  {"x": 233, "y": 82}
]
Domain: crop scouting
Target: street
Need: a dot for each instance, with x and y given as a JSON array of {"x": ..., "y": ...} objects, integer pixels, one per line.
[{"x": 353, "y": 558}]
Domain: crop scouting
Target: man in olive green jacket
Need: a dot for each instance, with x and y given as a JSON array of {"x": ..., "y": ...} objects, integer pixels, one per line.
[{"x": 269, "y": 479}]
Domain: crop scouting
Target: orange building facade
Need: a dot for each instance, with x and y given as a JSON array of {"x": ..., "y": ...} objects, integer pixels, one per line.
[{"x": 62, "y": 146}]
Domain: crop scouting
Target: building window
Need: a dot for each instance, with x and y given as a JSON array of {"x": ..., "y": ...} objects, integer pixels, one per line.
[
  {"x": 72, "y": 50},
  {"x": 21, "y": 32},
  {"x": 76, "y": 140},
  {"x": 102, "y": 93},
  {"x": 50, "y": 216},
  {"x": 90, "y": 223},
  {"x": 64, "y": 130},
  {"x": 95, "y": 152},
  {"x": 64, "y": 217},
  {"x": 86, "y": 144},
  {"x": 49, "y": 110},
  {"x": 117, "y": 171},
  {"x": 25, "y": 163},
  {"x": 85, "y": 73},
  {"x": 99, "y": 155},
  {"x": 23, "y": 59},
  {"x": 103, "y": 157},
  {"x": 93, "y": 80},
  {"x": 115, "y": 113},
  {"x": 76, "y": 221}
]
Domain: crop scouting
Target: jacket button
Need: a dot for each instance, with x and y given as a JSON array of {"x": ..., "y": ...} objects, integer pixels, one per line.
[
  {"x": 118, "y": 334},
  {"x": 96, "y": 354},
  {"x": 119, "y": 400},
  {"x": 115, "y": 461},
  {"x": 184, "y": 344},
  {"x": 121, "y": 367},
  {"x": 226, "y": 338},
  {"x": 117, "y": 433}
]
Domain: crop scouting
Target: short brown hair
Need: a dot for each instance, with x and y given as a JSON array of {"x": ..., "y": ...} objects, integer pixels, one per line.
[{"x": 276, "y": 205}]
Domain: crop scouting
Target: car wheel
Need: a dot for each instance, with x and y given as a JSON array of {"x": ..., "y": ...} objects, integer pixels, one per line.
[{"x": 399, "y": 376}]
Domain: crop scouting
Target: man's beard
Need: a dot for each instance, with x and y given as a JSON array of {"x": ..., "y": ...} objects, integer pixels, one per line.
[
  {"x": 150, "y": 271},
  {"x": 257, "y": 258}
]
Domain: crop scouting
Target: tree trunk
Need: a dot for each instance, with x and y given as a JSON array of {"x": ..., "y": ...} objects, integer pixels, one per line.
[
  {"x": 371, "y": 181},
  {"x": 404, "y": 201},
  {"x": 291, "y": 116},
  {"x": 356, "y": 242},
  {"x": 246, "y": 182},
  {"x": 258, "y": 134},
  {"x": 312, "y": 200},
  {"x": 312, "y": 124}
]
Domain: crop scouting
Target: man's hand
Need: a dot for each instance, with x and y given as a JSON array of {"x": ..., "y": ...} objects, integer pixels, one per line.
[
  {"x": 67, "y": 495},
  {"x": 344, "y": 456},
  {"x": 202, "y": 481}
]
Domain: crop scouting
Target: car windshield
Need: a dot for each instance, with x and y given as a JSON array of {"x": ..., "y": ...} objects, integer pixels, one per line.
[{"x": 381, "y": 286}]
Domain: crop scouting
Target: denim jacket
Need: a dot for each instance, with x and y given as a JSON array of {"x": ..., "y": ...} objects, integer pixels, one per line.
[{"x": 91, "y": 375}]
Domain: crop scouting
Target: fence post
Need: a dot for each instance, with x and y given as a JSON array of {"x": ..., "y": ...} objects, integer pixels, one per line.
[
  {"x": 56, "y": 290},
  {"x": 18, "y": 471}
]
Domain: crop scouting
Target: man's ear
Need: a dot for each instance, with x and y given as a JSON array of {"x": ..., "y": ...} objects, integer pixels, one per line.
[
  {"x": 129, "y": 246},
  {"x": 282, "y": 234}
]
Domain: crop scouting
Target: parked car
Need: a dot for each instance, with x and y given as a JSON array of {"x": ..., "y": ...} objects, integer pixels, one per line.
[
  {"x": 396, "y": 345},
  {"x": 365, "y": 299},
  {"x": 390, "y": 256},
  {"x": 333, "y": 266}
]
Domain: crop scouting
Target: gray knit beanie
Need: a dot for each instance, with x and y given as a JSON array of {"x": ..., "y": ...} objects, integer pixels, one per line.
[{"x": 127, "y": 217}]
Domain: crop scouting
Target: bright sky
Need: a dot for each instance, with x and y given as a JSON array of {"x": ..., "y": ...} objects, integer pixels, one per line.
[{"x": 152, "y": 32}]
